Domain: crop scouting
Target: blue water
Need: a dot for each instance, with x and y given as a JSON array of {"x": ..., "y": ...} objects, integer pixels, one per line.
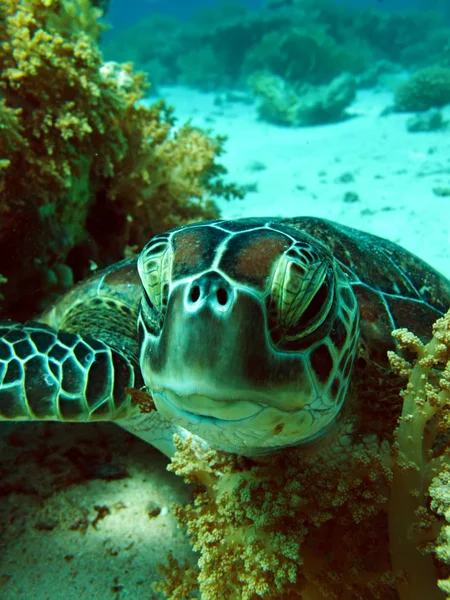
[{"x": 125, "y": 12}]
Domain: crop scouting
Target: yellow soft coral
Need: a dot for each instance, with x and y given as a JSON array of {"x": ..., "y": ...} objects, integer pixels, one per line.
[
  {"x": 421, "y": 453},
  {"x": 297, "y": 525},
  {"x": 440, "y": 504},
  {"x": 349, "y": 517},
  {"x": 165, "y": 178},
  {"x": 51, "y": 78},
  {"x": 76, "y": 121},
  {"x": 82, "y": 161}
]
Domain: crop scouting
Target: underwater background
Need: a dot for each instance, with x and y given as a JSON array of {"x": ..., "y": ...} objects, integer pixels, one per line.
[
  {"x": 122, "y": 119},
  {"x": 334, "y": 108},
  {"x": 274, "y": 107},
  {"x": 123, "y": 13}
]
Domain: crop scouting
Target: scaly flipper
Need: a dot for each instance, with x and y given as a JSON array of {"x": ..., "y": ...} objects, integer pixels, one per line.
[{"x": 53, "y": 375}]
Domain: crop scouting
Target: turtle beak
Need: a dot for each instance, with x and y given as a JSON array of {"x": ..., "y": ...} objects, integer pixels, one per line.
[
  {"x": 203, "y": 342},
  {"x": 210, "y": 294},
  {"x": 214, "y": 343}
]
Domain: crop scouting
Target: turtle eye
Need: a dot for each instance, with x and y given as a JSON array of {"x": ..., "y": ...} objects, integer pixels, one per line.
[
  {"x": 302, "y": 295},
  {"x": 314, "y": 313},
  {"x": 154, "y": 271}
]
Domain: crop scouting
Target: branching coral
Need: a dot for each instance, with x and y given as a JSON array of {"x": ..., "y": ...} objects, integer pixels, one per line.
[
  {"x": 61, "y": 110},
  {"x": 84, "y": 168},
  {"x": 351, "y": 517}
]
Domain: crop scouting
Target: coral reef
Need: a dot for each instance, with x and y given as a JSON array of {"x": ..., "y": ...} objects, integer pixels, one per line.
[
  {"x": 85, "y": 168},
  {"x": 289, "y": 44},
  {"x": 352, "y": 517},
  {"x": 425, "y": 89},
  {"x": 277, "y": 99},
  {"x": 408, "y": 37},
  {"x": 201, "y": 68},
  {"x": 284, "y": 104},
  {"x": 302, "y": 41},
  {"x": 327, "y": 104},
  {"x": 304, "y": 55}
]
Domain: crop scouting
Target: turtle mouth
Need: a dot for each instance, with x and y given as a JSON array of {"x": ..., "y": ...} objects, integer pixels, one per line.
[
  {"x": 244, "y": 427},
  {"x": 204, "y": 409}
]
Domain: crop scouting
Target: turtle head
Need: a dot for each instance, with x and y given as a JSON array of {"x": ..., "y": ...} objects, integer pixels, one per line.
[{"x": 248, "y": 333}]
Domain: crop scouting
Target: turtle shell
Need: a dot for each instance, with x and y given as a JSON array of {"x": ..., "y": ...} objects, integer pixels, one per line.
[{"x": 394, "y": 288}]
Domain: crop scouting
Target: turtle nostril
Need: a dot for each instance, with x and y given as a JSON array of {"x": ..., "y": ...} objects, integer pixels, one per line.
[
  {"x": 222, "y": 296},
  {"x": 194, "y": 294}
]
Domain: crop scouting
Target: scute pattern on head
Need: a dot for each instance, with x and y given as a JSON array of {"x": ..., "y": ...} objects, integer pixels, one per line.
[
  {"x": 256, "y": 341},
  {"x": 251, "y": 256},
  {"x": 194, "y": 249}
]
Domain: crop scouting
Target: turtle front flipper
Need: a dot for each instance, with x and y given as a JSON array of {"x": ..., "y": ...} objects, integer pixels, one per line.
[{"x": 48, "y": 375}]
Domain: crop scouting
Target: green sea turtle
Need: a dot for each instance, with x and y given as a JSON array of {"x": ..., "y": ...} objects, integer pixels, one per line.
[{"x": 248, "y": 333}]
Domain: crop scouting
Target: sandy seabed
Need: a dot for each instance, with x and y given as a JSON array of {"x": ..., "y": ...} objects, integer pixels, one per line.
[{"x": 85, "y": 509}]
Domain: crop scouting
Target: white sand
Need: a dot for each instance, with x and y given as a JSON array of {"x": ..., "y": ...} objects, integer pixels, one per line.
[
  {"x": 394, "y": 171},
  {"x": 51, "y": 547},
  {"x": 44, "y": 494}
]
